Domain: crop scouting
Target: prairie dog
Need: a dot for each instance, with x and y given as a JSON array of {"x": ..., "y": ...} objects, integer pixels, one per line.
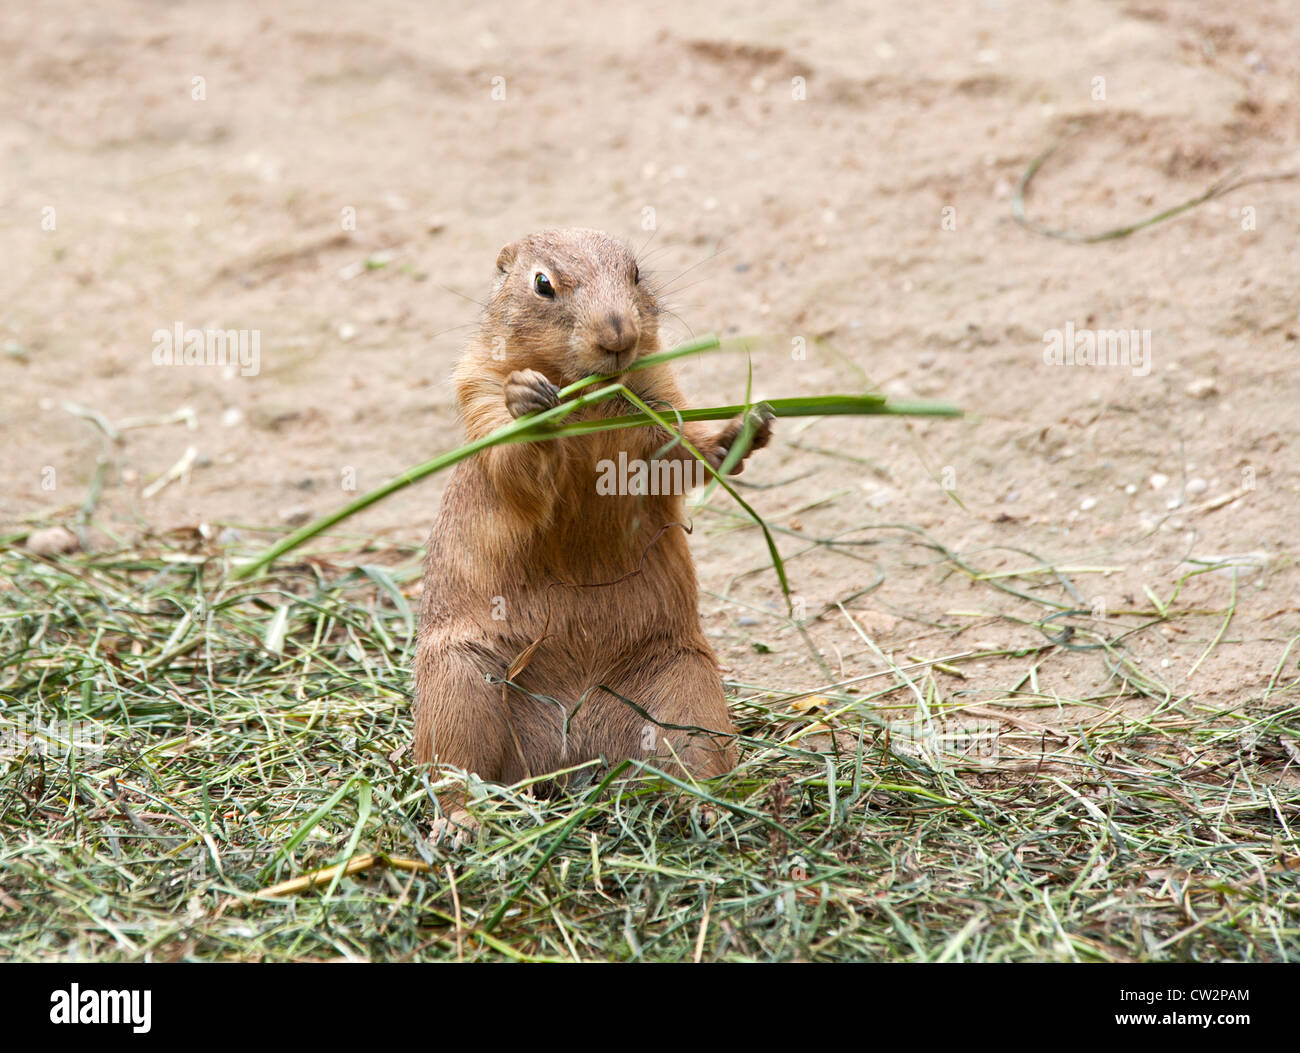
[{"x": 590, "y": 596}]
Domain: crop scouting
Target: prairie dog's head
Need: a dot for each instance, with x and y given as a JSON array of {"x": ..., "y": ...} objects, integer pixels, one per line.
[{"x": 572, "y": 302}]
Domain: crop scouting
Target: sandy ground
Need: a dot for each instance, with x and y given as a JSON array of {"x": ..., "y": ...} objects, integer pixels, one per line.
[{"x": 134, "y": 197}]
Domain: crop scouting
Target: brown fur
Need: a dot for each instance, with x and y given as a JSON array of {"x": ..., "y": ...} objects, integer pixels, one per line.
[{"x": 601, "y": 588}]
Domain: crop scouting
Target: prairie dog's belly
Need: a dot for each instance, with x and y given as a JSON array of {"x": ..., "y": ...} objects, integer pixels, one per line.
[
  {"x": 601, "y": 566},
  {"x": 606, "y": 607},
  {"x": 630, "y": 607}
]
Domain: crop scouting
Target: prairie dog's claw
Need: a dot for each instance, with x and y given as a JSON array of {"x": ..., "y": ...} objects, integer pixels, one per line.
[
  {"x": 764, "y": 416},
  {"x": 458, "y": 829},
  {"x": 528, "y": 391}
]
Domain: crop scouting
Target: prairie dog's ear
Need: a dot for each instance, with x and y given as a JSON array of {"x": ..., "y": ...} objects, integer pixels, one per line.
[{"x": 506, "y": 257}]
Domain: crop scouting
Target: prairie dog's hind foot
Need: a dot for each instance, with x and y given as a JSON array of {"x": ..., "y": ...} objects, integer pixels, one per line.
[{"x": 457, "y": 828}]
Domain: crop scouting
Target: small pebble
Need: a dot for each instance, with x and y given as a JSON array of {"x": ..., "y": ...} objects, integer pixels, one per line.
[
  {"x": 232, "y": 417},
  {"x": 1197, "y": 486},
  {"x": 1158, "y": 481},
  {"x": 52, "y": 541},
  {"x": 1087, "y": 504},
  {"x": 347, "y": 331},
  {"x": 746, "y": 620},
  {"x": 1202, "y": 388},
  {"x": 1131, "y": 489}
]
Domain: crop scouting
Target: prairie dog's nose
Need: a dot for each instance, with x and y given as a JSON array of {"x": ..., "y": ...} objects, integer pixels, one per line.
[{"x": 617, "y": 333}]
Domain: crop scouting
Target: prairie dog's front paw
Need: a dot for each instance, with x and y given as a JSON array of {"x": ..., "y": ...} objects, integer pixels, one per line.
[
  {"x": 725, "y": 438},
  {"x": 528, "y": 391}
]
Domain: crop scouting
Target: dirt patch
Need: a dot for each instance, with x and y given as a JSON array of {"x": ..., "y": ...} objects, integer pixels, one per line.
[{"x": 339, "y": 181}]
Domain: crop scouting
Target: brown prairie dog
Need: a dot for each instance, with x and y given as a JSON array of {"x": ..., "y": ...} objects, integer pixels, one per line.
[{"x": 525, "y": 548}]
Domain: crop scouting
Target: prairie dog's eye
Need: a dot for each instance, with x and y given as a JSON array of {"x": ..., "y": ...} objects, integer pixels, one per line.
[
  {"x": 542, "y": 285},
  {"x": 636, "y": 274}
]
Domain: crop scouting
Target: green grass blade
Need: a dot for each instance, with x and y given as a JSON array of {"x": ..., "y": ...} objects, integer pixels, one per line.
[{"x": 546, "y": 425}]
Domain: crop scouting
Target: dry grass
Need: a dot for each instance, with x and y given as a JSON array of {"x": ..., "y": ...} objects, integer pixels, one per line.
[{"x": 255, "y": 732}]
